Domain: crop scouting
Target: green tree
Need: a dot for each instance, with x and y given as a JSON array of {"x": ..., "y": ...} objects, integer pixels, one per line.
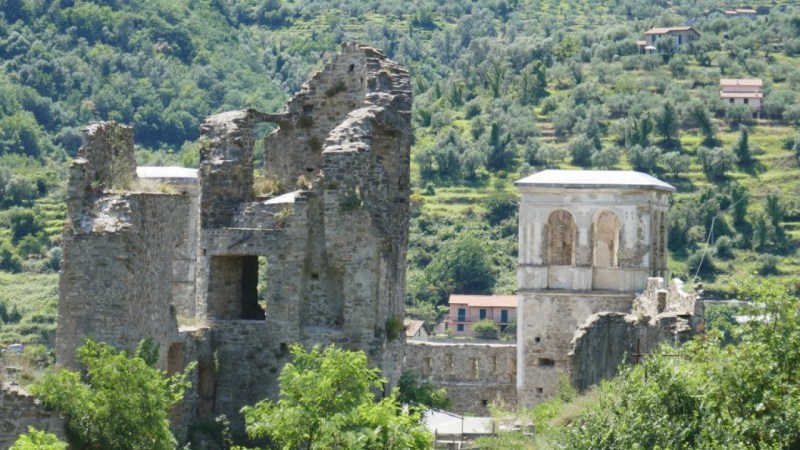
[
  {"x": 716, "y": 161},
  {"x": 38, "y": 440},
  {"x": 420, "y": 394},
  {"x": 667, "y": 125},
  {"x": 462, "y": 266},
  {"x": 328, "y": 401},
  {"x": 113, "y": 402},
  {"x": 644, "y": 159},
  {"x": 9, "y": 259},
  {"x": 675, "y": 163},
  {"x": 742, "y": 148},
  {"x": 500, "y": 205}
]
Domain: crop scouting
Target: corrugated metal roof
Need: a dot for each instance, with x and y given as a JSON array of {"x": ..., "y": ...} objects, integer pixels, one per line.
[{"x": 165, "y": 172}]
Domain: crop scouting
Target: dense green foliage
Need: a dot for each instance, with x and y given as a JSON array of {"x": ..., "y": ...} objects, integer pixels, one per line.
[
  {"x": 38, "y": 440},
  {"x": 327, "y": 401},
  {"x": 733, "y": 390},
  {"x": 417, "y": 394},
  {"x": 114, "y": 402}
]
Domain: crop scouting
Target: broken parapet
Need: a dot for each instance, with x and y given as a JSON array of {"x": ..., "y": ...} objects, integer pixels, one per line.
[
  {"x": 105, "y": 161},
  {"x": 659, "y": 299},
  {"x": 20, "y": 410},
  {"x": 118, "y": 250},
  {"x": 605, "y": 340}
]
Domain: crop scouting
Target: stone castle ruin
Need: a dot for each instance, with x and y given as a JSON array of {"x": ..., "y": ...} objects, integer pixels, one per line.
[
  {"x": 175, "y": 254},
  {"x": 215, "y": 272}
]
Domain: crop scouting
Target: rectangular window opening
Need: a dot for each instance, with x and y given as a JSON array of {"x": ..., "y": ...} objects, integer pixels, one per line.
[
  {"x": 237, "y": 288},
  {"x": 545, "y": 362},
  {"x": 462, "y": 314},
  {"x": 460, "y": 327}
]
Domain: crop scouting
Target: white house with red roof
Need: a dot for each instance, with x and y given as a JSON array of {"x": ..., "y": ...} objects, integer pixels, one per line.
[
  {"x": 742, "y": 91},
  {"x": 680, "y": 36}
]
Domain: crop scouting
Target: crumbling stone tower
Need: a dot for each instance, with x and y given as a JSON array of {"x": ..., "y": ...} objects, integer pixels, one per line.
[
  {"x": 171, "y": 246},
  {"x": 588, "y": 242}
]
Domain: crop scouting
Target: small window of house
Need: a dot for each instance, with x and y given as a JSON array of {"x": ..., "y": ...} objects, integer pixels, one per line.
[
  {"x": 482, "y": 313},
  {"x": 460, "y": 327}
]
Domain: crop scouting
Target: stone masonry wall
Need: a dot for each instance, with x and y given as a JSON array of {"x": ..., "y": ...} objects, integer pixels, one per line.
[
  {"x": 117, "y": 267},
  {"x": 659, "y": 316},
  {"x": 322, "y": 103},
  {"x": 474, "y": 375},
  {"x": 335, "y": 249},
  {"x": 548, "y": 321},
  {"x": 19, "y": 410}
]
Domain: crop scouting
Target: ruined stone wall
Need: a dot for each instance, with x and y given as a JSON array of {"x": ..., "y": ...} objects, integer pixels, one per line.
[
  {"x": 547, "y": 322},
  {"x": 117, "y": 267},
  {"x": 659, "y": 316},
  {"x": 474, "y": 375},
  {"x": 600, "y": 345},
  {"x": 322, "y": 104},
  {"x": 335, "y": 249},
  {"x": 19, "y": 410}
]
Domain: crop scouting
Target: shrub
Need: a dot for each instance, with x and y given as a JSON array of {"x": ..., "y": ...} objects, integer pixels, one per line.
[
  {"x": 485, "y": 328},
  {"x": 768, "y": 265},
  {"x": 701, "y": 263},
  {"x": 724, "y": 247},
  {"x": 716, "y": 161}
]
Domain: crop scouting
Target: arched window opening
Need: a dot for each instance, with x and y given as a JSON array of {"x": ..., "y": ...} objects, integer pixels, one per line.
[
  {"x": 606, "y": 240},
  {"x": 561, "y": 233}
]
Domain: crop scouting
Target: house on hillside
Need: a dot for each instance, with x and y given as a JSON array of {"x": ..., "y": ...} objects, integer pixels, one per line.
[
  {"x": 466, "y": 309},
  {"x": 681, "y": 37},
  {"x": 742, "y": 91},
  {"x": 415, "y": 329}
]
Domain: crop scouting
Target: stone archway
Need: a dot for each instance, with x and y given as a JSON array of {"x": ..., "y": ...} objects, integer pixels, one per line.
[
  {"x": 606, "y": 240},
  {"x": 561, "y": 233}
]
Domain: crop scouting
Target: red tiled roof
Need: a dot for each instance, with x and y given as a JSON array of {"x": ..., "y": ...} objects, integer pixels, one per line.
[
  {"x": 412, "y": 327},
  {"x": 502, "y": 301},
  {"x": 741, "y": 82}
]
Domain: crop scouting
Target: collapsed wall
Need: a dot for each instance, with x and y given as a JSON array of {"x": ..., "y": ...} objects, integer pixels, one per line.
[{"x": 661, "y": 315}]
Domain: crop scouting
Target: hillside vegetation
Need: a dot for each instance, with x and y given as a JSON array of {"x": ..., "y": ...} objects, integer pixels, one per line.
[{"x": 502, "y": 88}]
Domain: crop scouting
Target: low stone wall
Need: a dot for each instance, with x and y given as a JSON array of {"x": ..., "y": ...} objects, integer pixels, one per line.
[
  {"x": 474, "y": 375},
  {"x": 19, "y": 410}
]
